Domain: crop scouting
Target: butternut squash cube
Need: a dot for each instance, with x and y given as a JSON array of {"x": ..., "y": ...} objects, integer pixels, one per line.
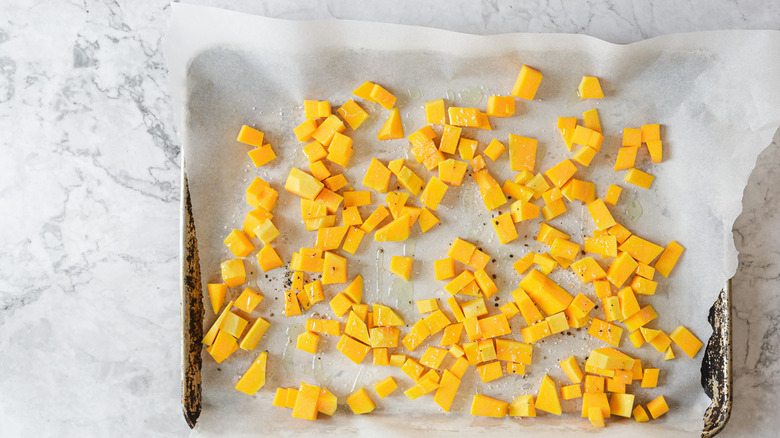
[
  {"x": 640, "y": 415},
  {"x": 570, "y": 392},
  {"x": 353, "y": 114},
  {"x": 626, "y": 158},
  {"x": 668, "y": 258},
  {"x": 360, "y": 402},
  {"x": 590, "y": 88},
  {"x": 248, "y": 300},
  {"x": 522, "y": 153},
  {"x": 650, "y": 378},
  {"x": 352, "y": 348},
  {"x": 334, "y": 269},
  {"x": 217, "y": 293},
  {"x": 591, "y": 120},
  {"x": 686, "y": 340},
  {"x": 402, "y": 267},
  {"x": 393, "y": 128},
  {"x": 340, "y": 150},
  {"x": 385, "y": 387},
  {"x": 609, "y": 333},
  {"x": 657, "y": 406},
  {"x": 352, "y": 241},
  {"x": 238, "y": 243},
  {"x": 377, "y": 176},
  {"x": 302, "y": 184},
  {"x": 535, "y": 332},
  {"x": 382, "y": 97},
  {"x": 484, "y": 406},
  {"x": 254, "y": 377},
  {"x": 620, "y": 269},
  {"x": 305, "y": 130},
  {"x": 613, "y": 194},
  {"x": 396, "y": 231},
  {"x": 500, "y": 106},
  {"x": 572, "y": 370},
  {"x": 522, "y": 406},
  {"x": 638, "y": 178},
  {"x": 268, "y": 259},
  {"x": 600, "y": 214},
  {"x": 233, "y": 273},
  {"x": 224, "y": 345},
  {"x": 434, "y": 112},
  {"x": 445, "y": 393},
  {"x": 548, "y": 400},
  {"x": 596, "y": 416},
  {"x": 452, "y": 172},
  {"x": 632, "y": 137},
  {"x": 656, "y": 151},
  {"x": 386, "y": 317},
  {"x": 307, "y": 341},
  {"x": 527, "y": 83},
  {"x": 450, "y": 138},
  {"x": 262, "y": 155},
  {"x": 251, "y": 136}
]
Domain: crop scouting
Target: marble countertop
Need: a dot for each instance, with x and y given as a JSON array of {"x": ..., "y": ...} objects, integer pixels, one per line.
[{"x": 89, "y": 202}]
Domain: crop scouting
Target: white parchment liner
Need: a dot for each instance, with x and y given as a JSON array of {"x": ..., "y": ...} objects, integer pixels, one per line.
[{"x": 717, "y": 95}]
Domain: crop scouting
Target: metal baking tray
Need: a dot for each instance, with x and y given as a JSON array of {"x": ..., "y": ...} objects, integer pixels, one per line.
[{"x": 716, "y": 378}]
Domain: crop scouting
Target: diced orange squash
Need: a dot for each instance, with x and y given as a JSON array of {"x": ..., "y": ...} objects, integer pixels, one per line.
[
  {"x": 308, "y": 341},
  {"x": 360, "y": 402},
  {"x": 351, "y": 216},
  {"x": 484, "y": 406},
  {"x": 527, "y": 307},
  {"x": 527, "y": 83},
  {"x": 621, "y": 268},
  {"x": 445, "y": 393},
  {"x": 302, "y": 184},
  {"x": 315, "y": 151},
  {"x": 253, "y": 219},
  {"x": 251, "y": 136},
  {"x": 605, "y": 246},
  {"x": 594, "y": 384},
  {"x": 493, "y": 326},
  {"x": 262, "y": 155},
  {"x": 450, "y": 138},
  {"x": 668, "y": 258},
  {"x": 248, "y": 300},
  {"x": 650, "y": 378},
  {"x": 402, "y": 267},
  {"x": 233, "y": 273},
  {"x": 326, "y": 131},
  {"x": 600, "y": 214},
  {"x": 377, "y": 176},
  {"x": 386, "y": 317},
  {"x": 381, "y": 96},
  {"x": 427, "y": 220},
  {"x": 396, "y": 231},
  {"x": 641, "y": 249},
  {"x": 626, "y": 158},
  {"x": 560, "y": 173},
  {"x": 535, "y": 332},
  {"x": 393, "y": 128},
  {"x": 588, "y": 269},
  {"x": 613, "y": 193},
  {"x": 572, "y": 369},
  {"x": 570, "y": 392},
  {"x": 334, "y": 269},
  {"x": 452, "y": 172},
  {"x": 444, "y": 268},
  {"x": 686, "y": 340},
  {"x": 643, "y": 286},
  {"x": 434, "y": 112},
  {"x": 490, "y": 371},
  {"x": 266, "y": 231},
  {"x": 352, "y": 241},
  {"x": 548, "y": 399},
  {"x": 522, "y": 153},
  {"x": 640, "y": 415},
  {"x": 504, "y": 227},
  {"x": 217, "y": 293},
  {"x": 461, "y": 250},
  {"x": 467, "y": 148},
  {"x": 305, "y": 130},
  {"x": 651, "y": 132},
  {"x": 323, "y": 326},
  {"x": 316, "y": 109},
  {"x": 547, "y": 294},
  {"x": 609, "y": 333},
  {"x": 374, "y": 219},
  {"x": 513, "y": 351},
  {"x": 467, "y": 117},
  {"x": 385, "y": 386},
  {"x": 500, "y": 106},
  {"x": 639, "y": 319},
  {"x": 254, "y": 334},
  {"x": 590, "y": 88},
  {"x": 357, "y": 198},
  {"x": 656, "y": 150},
  {"x": 657, "y": 406},
  {"x": 632, "y": 137},
  {"x": 353, "y": 114},
  {"x": 353, "y": 349},
  {"x": 638, "y": 178},
  {"x": 254, "y": 377}
]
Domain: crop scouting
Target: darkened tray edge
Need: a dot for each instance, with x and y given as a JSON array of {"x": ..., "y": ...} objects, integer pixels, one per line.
[{"x": 716, "y": 378}]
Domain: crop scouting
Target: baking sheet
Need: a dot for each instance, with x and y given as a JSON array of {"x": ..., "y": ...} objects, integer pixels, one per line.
[{"x": 716, "y": 94}]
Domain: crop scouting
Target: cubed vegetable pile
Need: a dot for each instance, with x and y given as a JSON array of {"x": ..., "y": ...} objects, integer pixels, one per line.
[{"x": 458, "y": 327}]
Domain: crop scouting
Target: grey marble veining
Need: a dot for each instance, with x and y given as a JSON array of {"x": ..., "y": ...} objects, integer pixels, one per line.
[{"x": 89, "y": 202}]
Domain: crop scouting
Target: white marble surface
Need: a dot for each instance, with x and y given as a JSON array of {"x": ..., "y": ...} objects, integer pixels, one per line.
[{"x": 89, "y": 202}]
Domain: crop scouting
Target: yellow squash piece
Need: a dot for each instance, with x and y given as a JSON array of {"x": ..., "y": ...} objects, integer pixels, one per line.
[
  {"x": 217, "y": 293},
  {"x": 590, "y": 88},
  {"x": 393, "y": 127},
  {"x": 485, "y": 406},
  {"x": 527, "y": 83},
  {"x": 377, "y": 176},
  {"x": 254, "y": 377},
  {"x": 668, "y": 258},
  {"x": 233, "y": 273},
  {"x": 302, "y": 184},
  {"x": 402, "y": 267},
  {"x": 360, "y": 402},
  {"x": 686, "y": 340},
  {"x": 657, "y": 406},
  {"x": 434, "y": 112},
  {"x": 638, "y": 178},
  {"x": 353, "y": 114},
  {"x": 396, "y": 231},
  {"x": 251, "y": 136},
  {"x": 547, "y": 294},
  {"x": 548, "y": 400},
  {"x": 522, "y": 153}
]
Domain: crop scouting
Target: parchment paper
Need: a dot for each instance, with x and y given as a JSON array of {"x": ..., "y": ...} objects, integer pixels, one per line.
[{"x": 716, "y": 94}]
